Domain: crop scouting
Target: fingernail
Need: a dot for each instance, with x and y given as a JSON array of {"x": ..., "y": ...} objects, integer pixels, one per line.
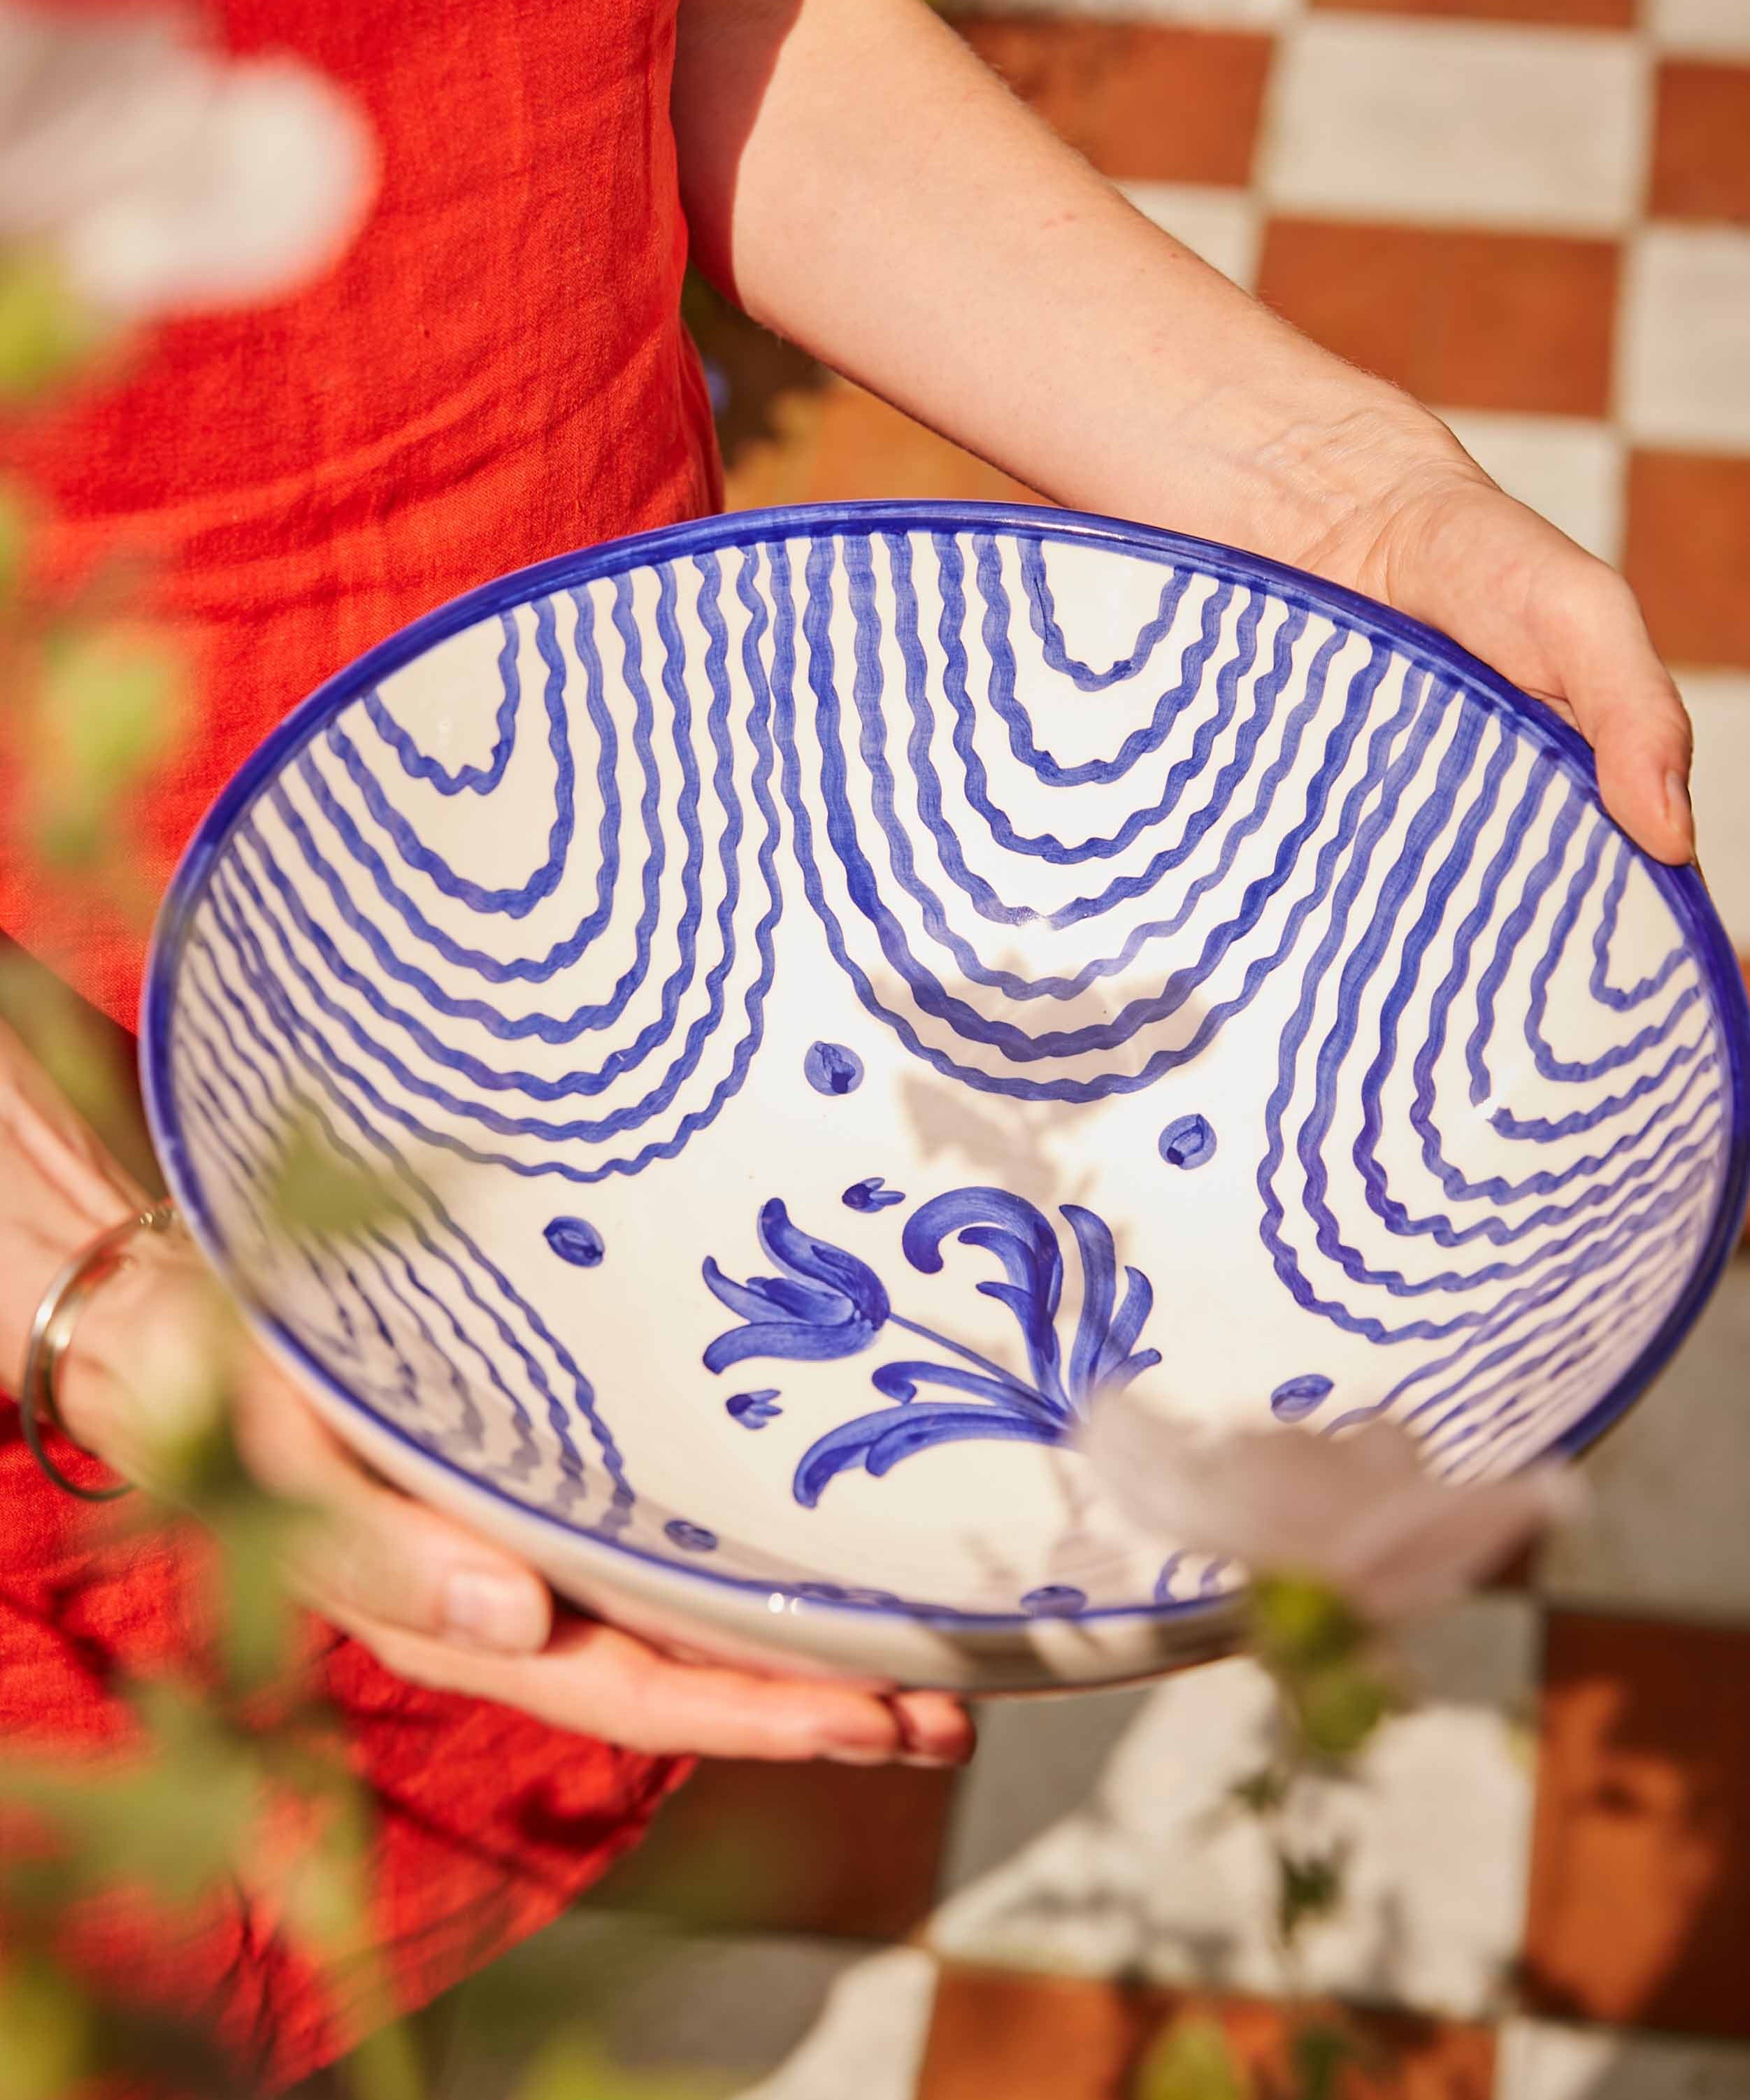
[
  {"x": 494, "y": 1612},
  {"x": 849, "y": 1753},
  {"x": 1677, "y": 803}
]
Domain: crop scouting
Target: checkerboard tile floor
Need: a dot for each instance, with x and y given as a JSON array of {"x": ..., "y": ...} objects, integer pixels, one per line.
[{"x": 1535, "y": 214}]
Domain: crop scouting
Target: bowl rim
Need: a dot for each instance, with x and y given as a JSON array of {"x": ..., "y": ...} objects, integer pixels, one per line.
[{"x": 1683, "y": 888}]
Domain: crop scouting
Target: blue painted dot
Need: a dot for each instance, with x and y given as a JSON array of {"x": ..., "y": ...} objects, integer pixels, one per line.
[
  {"x": 693, "y": 1537},
  {"x": 1055, "y": 1600},
  {"x": 844, "y": 1593},
  {"x": 575, "y": 1240},
  {"x": 1295, "y": 1398},
  {"x": 753, "y": 1410},
  {"x": 831, "y": 1068},
  {"x": 871, "y": 1195},
  {"x": 1188, "y": 1141}
]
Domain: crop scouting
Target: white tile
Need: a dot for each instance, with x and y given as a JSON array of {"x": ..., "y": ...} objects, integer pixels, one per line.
[
  {"x": 1707, "y": 29},
  {"x": 1155, "y": 1873},
  {"x": 1444, "y": 123},
  {"x": 1684, "y": 371},
  {"x": 1539, "y": 2060},
  {"x": 1719, "y": 706},
  {"x": 1566, "y": 467},
  {"x": 1192, "y": 14},
  {"x": 1666, "y": 1529},
  {"x": 1222, "y": 226}
]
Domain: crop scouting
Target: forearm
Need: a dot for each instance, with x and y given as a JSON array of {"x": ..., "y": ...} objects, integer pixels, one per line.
[
  {"x": 59, "y": 1188},
  {"x": 865, "y": 186}
]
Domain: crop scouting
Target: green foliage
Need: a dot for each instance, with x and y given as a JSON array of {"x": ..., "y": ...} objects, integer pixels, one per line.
[
  {"x": 109, "y": 711},
  {"x": 15, "y": 530},
  {"x": 1309, "y": 1886},
  {"x": 571, "y": 2067},
  {"x": 1339, "y": 1708},
  {"x": 1320, "y": 2054},
  {"x": 45, "y": 2032},
  {"x": 84, "y": 1056},
  {"x": 314, "y": 1189},
  {"x": 1191, "y": 2060},
  {"x": 1300, "y": 1623},
  {"x": 45, "y": 335},
  {"x": 1307, "y": 1636}
]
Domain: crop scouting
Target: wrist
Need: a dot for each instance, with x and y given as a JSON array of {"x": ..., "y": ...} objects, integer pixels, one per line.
[{"x": 141, "y": 1346}]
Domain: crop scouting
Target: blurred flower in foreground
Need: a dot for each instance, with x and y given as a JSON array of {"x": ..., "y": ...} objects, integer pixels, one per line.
[
  {"x": 160, "y": 175},
  {"x": 1359, "y": 1514}
]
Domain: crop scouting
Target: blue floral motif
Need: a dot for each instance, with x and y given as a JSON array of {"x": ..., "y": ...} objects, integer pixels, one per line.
[
  {"x": 828, "y": 1304},
  {"x": 690, "y": 1538},
  {"x": 831, "y": 1305},
  {"x": 753, "y": 1410}
]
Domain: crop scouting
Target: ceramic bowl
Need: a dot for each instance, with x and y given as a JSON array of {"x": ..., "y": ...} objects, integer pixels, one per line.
[{"x": 834, "y": 990}]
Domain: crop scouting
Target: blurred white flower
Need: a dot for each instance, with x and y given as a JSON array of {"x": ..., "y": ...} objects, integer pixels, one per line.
[
  {"x": 165, "y": 175},
  {"x": 1360, "y": 1513}
]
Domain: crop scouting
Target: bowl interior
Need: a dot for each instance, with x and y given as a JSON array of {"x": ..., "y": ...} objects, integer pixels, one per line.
[{"x": 836, "y": 995}]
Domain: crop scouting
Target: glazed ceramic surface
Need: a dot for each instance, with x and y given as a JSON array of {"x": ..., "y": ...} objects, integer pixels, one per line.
[{"x": 840, "y": 992}]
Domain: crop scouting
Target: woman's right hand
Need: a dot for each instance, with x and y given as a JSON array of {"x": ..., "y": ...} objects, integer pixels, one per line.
[{"x": 435, "y": 1603}]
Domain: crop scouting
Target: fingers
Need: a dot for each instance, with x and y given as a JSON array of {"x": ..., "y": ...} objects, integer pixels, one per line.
[
  {"x": 377, "y": 1551},
  {"x": 441, "y": 1607},
  {"x": 1628, "y": 709},
  {"x": 597, "y": 1680},
  {"x": 1564, "y": 626}
]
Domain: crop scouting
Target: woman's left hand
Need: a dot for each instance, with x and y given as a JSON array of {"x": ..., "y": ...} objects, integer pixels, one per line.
[{"x": 1415, "y": 522}]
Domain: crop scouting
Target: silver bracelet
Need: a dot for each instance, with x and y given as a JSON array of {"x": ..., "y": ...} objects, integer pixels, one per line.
[{"x": 51, "y": 1330}]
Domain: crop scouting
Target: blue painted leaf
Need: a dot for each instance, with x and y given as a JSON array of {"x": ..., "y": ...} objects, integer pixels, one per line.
[
  {"x": 1094, "y": 1243},
  {"x": 1021, "y": 1238},
  {"x": 900, "y": 1432},
  {"x": 901, "y": 1381},
  {"x": 1126, "y": 1327},
  {"x": 753, "y": 1410},
  {"x": 690, "y": 1538}
]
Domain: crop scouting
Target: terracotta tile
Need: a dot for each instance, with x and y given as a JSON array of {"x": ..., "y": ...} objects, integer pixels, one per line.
[
  {"x": 1054, "y": 2038},
  {"x": 1701, "y": 166},
  {"x": 1562, "y": 13},
  {"x": 1469, "y": 319},
  {"x": 845, "y": 445},
  {"x": 1688, "y": 536},
  {"x": 1640, "y": 1901},
  {"x": 792, "y": 1848},
  {"x": 1144, "y": 103}
]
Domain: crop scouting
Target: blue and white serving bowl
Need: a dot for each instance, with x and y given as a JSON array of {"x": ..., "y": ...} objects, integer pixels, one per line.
[{"x": 835, "y": 988}]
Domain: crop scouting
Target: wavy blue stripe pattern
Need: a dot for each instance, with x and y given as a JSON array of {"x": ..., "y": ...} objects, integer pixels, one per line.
[{"x": 528, "y": 914}]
